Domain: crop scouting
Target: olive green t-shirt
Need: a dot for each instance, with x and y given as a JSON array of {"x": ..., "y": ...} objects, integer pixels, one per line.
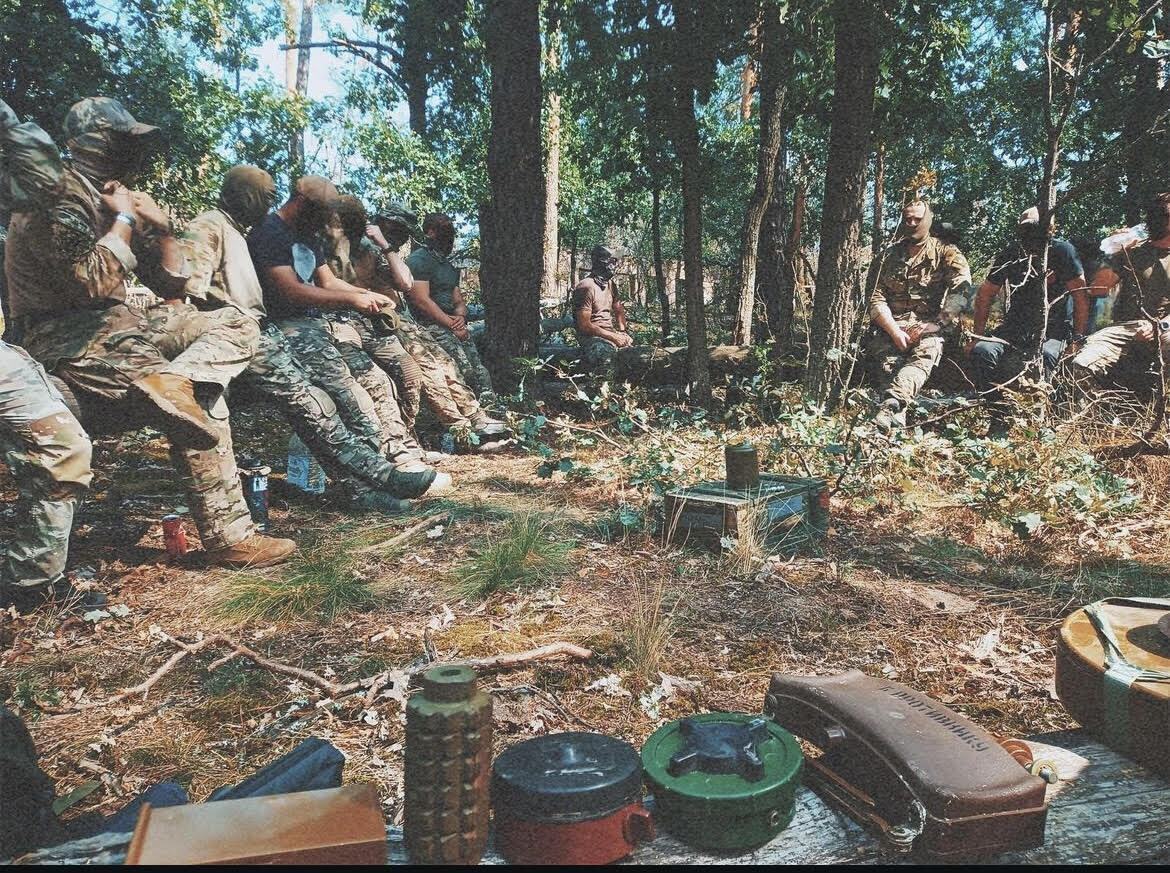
[{"x": 427, "y": 265}]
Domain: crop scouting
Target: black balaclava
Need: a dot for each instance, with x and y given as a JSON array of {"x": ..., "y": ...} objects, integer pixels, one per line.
[
  {"x": 602, "y": 262},
  {"x": 247, "y": 194},
  {"x": 353, "y": 217}
]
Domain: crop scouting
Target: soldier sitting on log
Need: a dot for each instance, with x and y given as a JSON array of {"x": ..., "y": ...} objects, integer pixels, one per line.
[{"x": 598, "y": 315}]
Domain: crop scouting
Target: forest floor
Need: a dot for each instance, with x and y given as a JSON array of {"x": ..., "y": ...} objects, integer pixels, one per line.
[{"x": 911, "y": 583}]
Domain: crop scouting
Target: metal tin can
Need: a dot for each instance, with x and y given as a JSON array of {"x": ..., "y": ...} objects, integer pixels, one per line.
[
  {"x": 743, "y": 467},
  {"x": 254, "y": 478},
  {"x": 174, "y": 535},
  {"x": 448, "y": 768},
  {"x": 570, "y": 798},
  {"x": 723, "y": 780}
]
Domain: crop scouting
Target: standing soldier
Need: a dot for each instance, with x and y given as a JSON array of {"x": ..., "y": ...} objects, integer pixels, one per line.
[
  {"x": 917, "y": 285},
  {"x": 66, "y": 265},
  {"x": 298, "y": 289},
  {"x": 1124, "y": 352},
  {"x": 222, "y": 275},
  {"x": 436, "y": 301},
  {"x": 598, "y": 315},
  {"x": 997, "y": 361}
]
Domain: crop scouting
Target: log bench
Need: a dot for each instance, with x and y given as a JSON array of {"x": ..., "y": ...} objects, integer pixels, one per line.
[{"x": 1104, "y": 810}]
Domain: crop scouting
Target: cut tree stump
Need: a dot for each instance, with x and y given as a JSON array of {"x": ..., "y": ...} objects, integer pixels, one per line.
[{"x": 1105, "y": 810}]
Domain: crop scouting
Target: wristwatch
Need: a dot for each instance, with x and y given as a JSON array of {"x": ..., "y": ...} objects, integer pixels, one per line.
[{"x": 127, "y": 219}]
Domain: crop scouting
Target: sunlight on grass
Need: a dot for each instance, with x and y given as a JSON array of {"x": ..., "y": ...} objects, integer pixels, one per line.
[
  {"x": 319, "y": 584},
  {"x": 530, "y": 549},
  {"x": 649, "y": 628}
]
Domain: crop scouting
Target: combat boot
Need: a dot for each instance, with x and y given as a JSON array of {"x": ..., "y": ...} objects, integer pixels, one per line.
[
  {"x": 486, "y": 427},
  {"x": 406, "y": 483},
  {"x": 256, "y": 551},
  {"x": 890, "y": 416},
  {"x": 171, "y": 404},
  {"x": 378, "y": 501},
  {"x": 61, "y": 593}
]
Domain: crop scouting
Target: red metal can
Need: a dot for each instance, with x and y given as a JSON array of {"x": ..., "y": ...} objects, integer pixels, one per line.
[{"x": 174, "y": 535}]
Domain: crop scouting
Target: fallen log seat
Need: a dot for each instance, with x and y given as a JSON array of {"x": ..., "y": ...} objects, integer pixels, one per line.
[{"x": 1105, "y": 810}]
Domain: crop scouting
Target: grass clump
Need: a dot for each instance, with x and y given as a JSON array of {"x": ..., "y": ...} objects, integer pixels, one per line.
[
  {"x": 649, "y": 628},
  {"x": 530, "y": 549},
  {"x": 322, "y": 583}
]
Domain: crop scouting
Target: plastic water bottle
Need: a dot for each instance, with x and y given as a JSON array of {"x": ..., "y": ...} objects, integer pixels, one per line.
[{"x": 303, "y": 471}]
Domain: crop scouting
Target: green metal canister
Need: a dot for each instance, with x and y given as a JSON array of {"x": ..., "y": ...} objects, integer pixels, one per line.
[
  {"x": 448, "y": 768},
  {"x": 742, "y": 463},
  {"x": 724, "y": 781}
]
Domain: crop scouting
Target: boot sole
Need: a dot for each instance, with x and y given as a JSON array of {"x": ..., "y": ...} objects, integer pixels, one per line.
[{"x": 185, "y": 431}]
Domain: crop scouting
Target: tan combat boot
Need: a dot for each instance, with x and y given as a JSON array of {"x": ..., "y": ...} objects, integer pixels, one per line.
[
  {"x": 170, "y": 401},
  {"x": 257, "y": 550}
]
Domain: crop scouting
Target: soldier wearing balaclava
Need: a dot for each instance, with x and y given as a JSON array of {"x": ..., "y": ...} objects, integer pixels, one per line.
[
  {"x": 598, "y": 315},
  {"x": 916, "y": 286}
]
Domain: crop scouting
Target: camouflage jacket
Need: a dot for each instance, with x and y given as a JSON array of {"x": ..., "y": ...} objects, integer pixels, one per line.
[
  {"x": 221, "y": 267},
  {"x": 937, "y": 278}
]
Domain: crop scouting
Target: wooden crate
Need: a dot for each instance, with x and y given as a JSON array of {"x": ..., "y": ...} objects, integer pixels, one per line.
[{"x": 788, "y": 511}]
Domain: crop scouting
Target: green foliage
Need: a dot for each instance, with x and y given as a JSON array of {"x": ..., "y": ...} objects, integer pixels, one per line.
[
  {"x": 532, "y": 549},
  {"x": 622, "y": 522}
]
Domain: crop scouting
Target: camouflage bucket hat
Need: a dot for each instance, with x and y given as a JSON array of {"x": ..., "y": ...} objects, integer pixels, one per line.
[
  {"x": 31, "y": 171},
  {"x": 394, "y": 212}
]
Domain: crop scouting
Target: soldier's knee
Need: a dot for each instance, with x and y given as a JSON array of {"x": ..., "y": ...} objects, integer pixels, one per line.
[
  {"x": 322, "y": 401},
  {"x": 66, "y": 452}
]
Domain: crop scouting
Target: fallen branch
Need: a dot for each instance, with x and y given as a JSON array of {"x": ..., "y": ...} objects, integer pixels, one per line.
[
  {"x": 372, "y": 684},
  {"x": 399, "y": 539}
]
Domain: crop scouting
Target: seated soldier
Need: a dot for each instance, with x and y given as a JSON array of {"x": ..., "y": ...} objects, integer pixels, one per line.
[
  {"x": 437, "y": 303},
  {"x": 66, "y": 264},
  {"x": 298, "y": 288},
  {"x": 222, "y": 275},
  {"x": 424, "y": 370},
  {"x": 995, "y": 363},
  {"x": 1124, "y": 353},
  {"x": 598, "y": 315},
  {"x": 917, "y": 286}
]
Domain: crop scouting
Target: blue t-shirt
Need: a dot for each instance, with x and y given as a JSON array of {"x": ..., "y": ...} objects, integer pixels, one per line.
[
  {"x": 1019, "y": 270},
  {"x": 272, "y": 243}
]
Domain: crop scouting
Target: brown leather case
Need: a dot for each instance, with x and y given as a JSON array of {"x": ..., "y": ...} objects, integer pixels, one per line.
[
  {"x": 927, "y": 778},
  {"x": 1132, "y": 715},
  {"x": 334, "y": 826}
]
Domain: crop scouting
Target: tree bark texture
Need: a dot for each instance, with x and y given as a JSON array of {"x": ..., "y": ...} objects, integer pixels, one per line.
[
  {"x": 838, "y": 287},
  {"x": 415, "y": 66},
  {"x": 879, "y": 194},
  {"x": 686, "y": 131},
  {"x": 512, "y": 221},
  {"x": 552, "y": 174},
  {"x": 775, "y": 61},
  {"x": 771, "y": 262},
  {"x": 659, "y": 267}
]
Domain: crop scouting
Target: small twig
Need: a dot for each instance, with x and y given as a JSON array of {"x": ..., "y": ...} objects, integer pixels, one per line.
[{"x": 400, "y": 538}]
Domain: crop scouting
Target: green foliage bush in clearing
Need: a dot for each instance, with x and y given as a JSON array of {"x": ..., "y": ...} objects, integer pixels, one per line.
[{"x": 530, "y": 550}]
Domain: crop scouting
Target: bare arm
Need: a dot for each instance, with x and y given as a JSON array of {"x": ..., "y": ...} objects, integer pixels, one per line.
[
  {"x": 395, "y": 272},
  {"x": 983, "y": 298},
  {"x": 1102, "y": 282},
  {"x": 1081, "y": 306},
  {"x": 289, "y": 286},
  {"x": 583, "y": 318},
  {"x": 619, "y": 315},
  {"x": 419, "y": 296}
]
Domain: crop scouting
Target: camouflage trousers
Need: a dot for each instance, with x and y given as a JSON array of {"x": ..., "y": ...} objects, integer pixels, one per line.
[
  {"x": 281, "y": 379},
  {"x": 364, "y": 394},
  {"x": 385, "y": 350},
  {"x": 466, "y": 357},
  {"x": 100, "y": 353},
  {"x": 48, "y": 453},
  {"x": 1115, "y": 354},
  {"x": 901, "y": 375},
  {"x": 597, "y": 355}
]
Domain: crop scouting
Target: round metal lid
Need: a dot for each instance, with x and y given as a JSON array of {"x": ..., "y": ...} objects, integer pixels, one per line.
[
  {"x": 449, "y": 684},
  {"x": 569, "y": 774},
  {"x": 722, "y": 756}
]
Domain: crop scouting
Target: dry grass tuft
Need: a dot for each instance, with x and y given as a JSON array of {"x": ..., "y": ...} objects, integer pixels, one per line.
[
  {"x": 649, "y": 628},
  {"x": 532, "y": 549}
]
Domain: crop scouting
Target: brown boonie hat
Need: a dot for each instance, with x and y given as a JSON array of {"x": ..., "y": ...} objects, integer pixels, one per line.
[
  {"x": 317, "y": 190},
  {"x": 97, "y": 114}
]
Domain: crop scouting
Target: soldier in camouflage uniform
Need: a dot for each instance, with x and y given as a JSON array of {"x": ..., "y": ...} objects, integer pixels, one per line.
[
  {"x": 44, "y": 446},
  {"x": 392, "y": 338},
  {"x": 66, "y": 265},
  {"x": 598, "y": 315},
  {"x": 917, "y": 286},
  {"x": 222, "y": 275},
  {"x": 437, "y": 303},
  {"x": 299, "y": 288}
]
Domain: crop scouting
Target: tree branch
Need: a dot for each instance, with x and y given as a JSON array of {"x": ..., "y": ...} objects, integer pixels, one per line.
[{"x": 358, "y": 47}]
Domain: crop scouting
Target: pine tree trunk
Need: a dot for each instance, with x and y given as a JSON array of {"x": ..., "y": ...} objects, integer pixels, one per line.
[
  {"x": 771, "y": 265},
  {"x": 686, "y": 132},
  {"x": 552, "y": 175},
  {"x": 414, "y": 65},
  {"x": 512, "y": 221},
  {"x": 659, "y": 267},
  {"x": 838, "y": 287},
  {"x": 775, "y": 62},
  {"x": 879, "y": 195},
  {"x": 296, "y": 147}
]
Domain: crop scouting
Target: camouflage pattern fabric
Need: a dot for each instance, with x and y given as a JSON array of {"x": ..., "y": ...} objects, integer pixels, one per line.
[
  {"x": 901, "y": 375},
  {"x": 387, "y": 351},
  {"x": 1115, "y": 355},
  {"x": 934, "y": 279},
  {"x": 100, "y": 353},
  {"x": 597, "y": 355},
  {"x": 466, "y": 357},
  {"x": 448, "y": 396},
  {"x": 283, "y": 380},
  {"x": 48, "y": 453},
  {"x": 31, "y": 171}
]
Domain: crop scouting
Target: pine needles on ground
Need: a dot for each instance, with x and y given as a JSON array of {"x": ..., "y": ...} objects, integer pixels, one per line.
[{"x": 531, "y": 549}]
